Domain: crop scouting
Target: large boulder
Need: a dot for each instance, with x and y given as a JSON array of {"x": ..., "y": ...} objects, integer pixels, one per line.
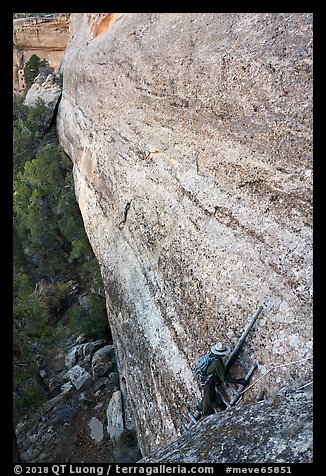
[
  {"x": 96, "y": 428},
  {"x": 47, "y": 90},
  {"x": 114, "y": 415},
  {"x": 72, "y": 357},
  {"x": 88, "y": 348},
  {"x": 191, "y": 139},
  {"x": 102, "y": 361},
  {"x": 82, "y": 351},
  {"x": 79, "y": 376}
]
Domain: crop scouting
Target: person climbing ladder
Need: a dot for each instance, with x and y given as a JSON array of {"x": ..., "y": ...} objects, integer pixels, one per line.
[{"x": 211, "y": 373}]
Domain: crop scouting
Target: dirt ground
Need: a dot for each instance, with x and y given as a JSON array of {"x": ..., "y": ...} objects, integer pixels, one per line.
[{"x": 75, "y": 445}]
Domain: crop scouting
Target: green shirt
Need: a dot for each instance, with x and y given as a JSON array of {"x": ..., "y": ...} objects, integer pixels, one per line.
[{"x": 217, "y": 367}]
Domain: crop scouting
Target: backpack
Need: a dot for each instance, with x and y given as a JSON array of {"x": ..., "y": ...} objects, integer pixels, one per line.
[{"x": 200, "y": 370}]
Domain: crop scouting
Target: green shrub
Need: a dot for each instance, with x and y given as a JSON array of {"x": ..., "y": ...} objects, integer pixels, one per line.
[
  {"x": 50, "y": 248},
  {"x": 26, "y": 308},
  {"x": 28, "y": 398},
  {"x": 54, "y": 297},
  {"x": 20, "y": 111},
  {"x": 28, "y": 131},
  {"x": 32, "y": 69},
  {"x": 37, "y": 191},
  {"x": 91, "y": 322}
]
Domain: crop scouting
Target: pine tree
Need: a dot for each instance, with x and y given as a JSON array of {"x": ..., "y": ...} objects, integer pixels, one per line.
[{"x": 32, "y": 69}]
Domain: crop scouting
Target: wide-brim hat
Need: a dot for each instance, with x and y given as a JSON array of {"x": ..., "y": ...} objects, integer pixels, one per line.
[{"x": 221, "y": 349}]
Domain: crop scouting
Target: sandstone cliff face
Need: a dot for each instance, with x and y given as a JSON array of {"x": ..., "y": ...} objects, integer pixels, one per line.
[
  {"x": 191, "y": 138},
  {"x": 44, "y": 36}
]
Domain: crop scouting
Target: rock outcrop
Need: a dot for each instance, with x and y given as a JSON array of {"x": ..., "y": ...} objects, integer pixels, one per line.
[
  {"x": 115, "y": 416},
  {"x": 47, "y": 89},
  {"x": 277, "y": 430},
  {"x": 46, "y": 37},
  {"x": 191, "y": 138}
]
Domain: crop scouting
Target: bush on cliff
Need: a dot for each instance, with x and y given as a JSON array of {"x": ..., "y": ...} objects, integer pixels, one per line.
[
  {"x": 28, "y": 131},
  {"x": 91, "y": 322}
]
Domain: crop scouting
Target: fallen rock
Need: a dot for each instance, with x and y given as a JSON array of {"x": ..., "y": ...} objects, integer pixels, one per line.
[
  {"x": 89, "y": 347},
  {"x": 72, "y": 357},
  {"x": 20, "y": 426},
  {"x": 49, "y": 82},
  {"x": 86, "y": 398},
  {"x": 80, "y": 339},
  {"x": 49, "y": 92},
  {"x": 66, "y": 387},
  {"x": 101, "y": 362},
  {"x": 114, "y": 415},
  {"x": 114, "y": 378},
  {"x": 40, "y": 361},
  {"x": 54, "y": 383},
  {"x": 98, "y": 394},
  {"x": 84, "y": 301},
  {"x": 96, "y": 427},
  {"x": 79, "y": 376},
  {"x": 53, "y": 402}
]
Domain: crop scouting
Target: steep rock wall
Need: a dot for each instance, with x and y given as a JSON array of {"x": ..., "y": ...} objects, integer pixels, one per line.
[
  {"x": 191, "y": 138},
  {"x": 46, "y": 37}
]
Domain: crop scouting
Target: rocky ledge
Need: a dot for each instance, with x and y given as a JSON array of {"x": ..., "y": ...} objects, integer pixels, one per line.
[{"x": 277, "y": 430}]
